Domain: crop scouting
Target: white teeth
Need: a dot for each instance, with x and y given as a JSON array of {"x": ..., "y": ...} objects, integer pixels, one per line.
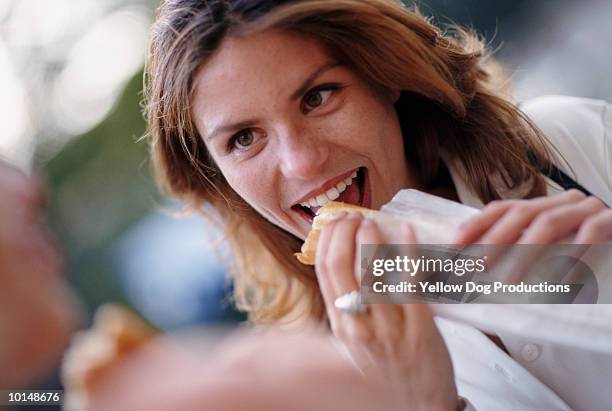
[
  {"x": 331, "y": 194},
  {"x": 322, "y": 199}
]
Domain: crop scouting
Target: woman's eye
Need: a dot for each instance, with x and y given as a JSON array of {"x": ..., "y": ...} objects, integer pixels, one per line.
[
  {"x": 243, "y": 139},
  {"x": 314, "y": 99},
  {"x": 317, "y": 98}
]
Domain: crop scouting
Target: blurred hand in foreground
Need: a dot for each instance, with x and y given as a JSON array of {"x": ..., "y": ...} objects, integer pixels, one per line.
[
  {"x": 245, "y": 371},
  {"x": 37, "y": 309}
]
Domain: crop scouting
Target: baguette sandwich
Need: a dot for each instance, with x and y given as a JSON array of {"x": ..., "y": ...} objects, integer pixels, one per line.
[
  {"x": 434, "y": 220},
  {"x": 324, "y": 215}
]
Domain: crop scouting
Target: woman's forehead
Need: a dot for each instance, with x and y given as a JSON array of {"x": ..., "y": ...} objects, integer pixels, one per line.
[
  {"x": 261, "y": 56},
  {"x": 263, "y": 68}
]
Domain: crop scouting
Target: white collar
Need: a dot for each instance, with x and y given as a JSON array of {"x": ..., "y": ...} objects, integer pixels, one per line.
[{"x": 468, "y": 197}]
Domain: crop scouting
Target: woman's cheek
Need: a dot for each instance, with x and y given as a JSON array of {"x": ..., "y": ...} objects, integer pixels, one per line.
[{"x": 248, "y": 186}]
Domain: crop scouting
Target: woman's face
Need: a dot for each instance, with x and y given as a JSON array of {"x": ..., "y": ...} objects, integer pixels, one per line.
[{"x": 290, "y": 129}]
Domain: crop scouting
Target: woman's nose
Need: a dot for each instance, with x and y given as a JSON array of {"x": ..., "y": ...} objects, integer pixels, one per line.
[{"x": 301, "y": 156}]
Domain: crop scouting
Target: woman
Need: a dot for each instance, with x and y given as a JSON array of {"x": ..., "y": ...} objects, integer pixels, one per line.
[{"x": 265, "y": 110}]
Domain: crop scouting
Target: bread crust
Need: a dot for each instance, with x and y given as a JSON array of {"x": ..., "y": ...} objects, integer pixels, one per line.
[{"x": 325, "y": 214}]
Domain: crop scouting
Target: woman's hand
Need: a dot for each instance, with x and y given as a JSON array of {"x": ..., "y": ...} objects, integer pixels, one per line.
[
  {"x": 541, "y": 220},
  {"x": 399, "y": 342}
]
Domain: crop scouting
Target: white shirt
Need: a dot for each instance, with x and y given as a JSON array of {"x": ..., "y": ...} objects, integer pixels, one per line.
[
  {"x": 581, "y": 132},
  {"x": 571, "y": 366}
]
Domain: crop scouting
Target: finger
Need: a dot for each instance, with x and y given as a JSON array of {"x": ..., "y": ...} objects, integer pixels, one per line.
[
  {"x": 513, "y": 224},
  {"x": 340, "y": 259},
  {"x": 322, "y": 276},
  {"x": 476, "y": 226},
  {"x": 505, "y": 222},
  {"x": 385, "y": 318},
  {"x": 339, "y": 266},
  {"x": 557, "y": 223},
  {"x": 410, "y": 248},
  {"x": 367, "y": 234},
  {"x": 325, "y": 237},
  {"x": 596, "y": 229},
  {"x": 509, "y": 227}
]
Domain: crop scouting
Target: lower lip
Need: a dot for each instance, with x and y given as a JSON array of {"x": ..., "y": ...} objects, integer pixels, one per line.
[{"x": 365, "y": 197}]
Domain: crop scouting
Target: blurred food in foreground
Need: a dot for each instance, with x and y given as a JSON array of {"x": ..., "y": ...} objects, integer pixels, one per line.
[{"x": 115, "y": 334}]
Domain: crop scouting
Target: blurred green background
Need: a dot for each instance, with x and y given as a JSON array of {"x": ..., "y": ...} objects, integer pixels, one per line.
[{"x": 99, "y": 185}]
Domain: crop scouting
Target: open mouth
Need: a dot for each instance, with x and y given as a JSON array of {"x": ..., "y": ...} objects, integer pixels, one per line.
[{"x": 354, "y": 189}]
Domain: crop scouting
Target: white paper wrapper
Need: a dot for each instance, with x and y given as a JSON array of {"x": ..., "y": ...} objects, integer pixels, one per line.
[{"x": 434, "y": 219}]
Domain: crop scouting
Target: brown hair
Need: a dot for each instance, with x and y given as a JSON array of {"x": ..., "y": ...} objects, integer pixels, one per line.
[{"x": 451, "y": 99}]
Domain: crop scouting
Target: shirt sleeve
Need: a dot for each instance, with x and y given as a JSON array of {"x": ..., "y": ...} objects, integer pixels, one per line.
[{"x": 580, "y": 133}]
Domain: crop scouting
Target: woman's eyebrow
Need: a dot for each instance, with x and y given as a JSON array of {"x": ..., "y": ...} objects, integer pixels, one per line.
[
  {"x": 306, "y": 84},
  {"x": 230, "y": 127},
  {"x": 311, "y": 78}
]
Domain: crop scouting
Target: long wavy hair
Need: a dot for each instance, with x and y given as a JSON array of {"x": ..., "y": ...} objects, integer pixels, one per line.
[{"x": 453, "y": 99}]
